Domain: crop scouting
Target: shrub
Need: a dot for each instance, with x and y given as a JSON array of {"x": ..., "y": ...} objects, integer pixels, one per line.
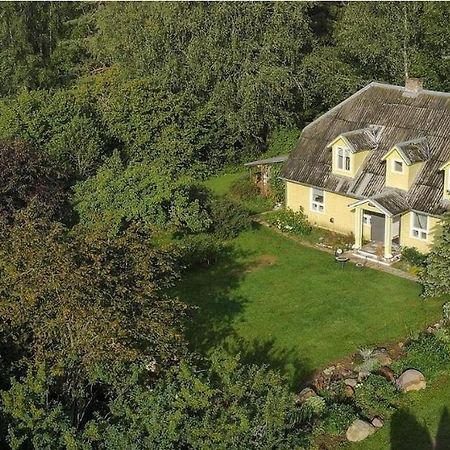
[
  {"x": 414, "y": 257},
  {"x": 311, "y": 408},
  {"x": 228, "y": 218},
  {"x": 446, "y": 311},
  {"x": 200, "y": 249},
  {"x": 277, "y": 186},
  {"x": 428, "y": 354},
  {"x": 290, "y": 221},
  {"x": 244, "y": 188},
  {"x": 376, "y": 396},
  {"x": 338, "y": 418}
]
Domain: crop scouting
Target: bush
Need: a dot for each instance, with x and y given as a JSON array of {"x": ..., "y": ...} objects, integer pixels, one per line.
[
  {"x": 414, "y": 257},
  {"x": 312, "y": 407},
  {"x": 290, "y": 221},
  {"x": 244, "y": 188},
  {"x": 200, "y": 249},
  {"x": 338, "y": 418},
  {"x": 277, "y": 185},
  {"x": 428, "y": 354},
  {"x": 376, "y": 396},
  {"x": 446, "y": 311},
  {"x": 228, "y": 218}
]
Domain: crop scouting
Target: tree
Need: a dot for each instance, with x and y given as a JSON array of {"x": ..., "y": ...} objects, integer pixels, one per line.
[
  {"x": 435, "y": 278},
  {"x": 27, "y": 177},
  {"x": 141, "y": 192},
  {"x": 85, "y": 307},
  {"x": 40, "y": 44},
  {"x": 64, "y": 125},
  {"x": 226, "y": 406}
]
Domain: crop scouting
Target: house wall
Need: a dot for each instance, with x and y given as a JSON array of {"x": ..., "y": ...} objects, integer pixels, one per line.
[
  {"x": 447, "y": 183},
  {"x": 336, "y": 208},
  {"x": 406, "y": 240},
  {"x": 335, "y": 205},
  {"x": 356, "y": 159},
  {"x": 400, "y": 180}
]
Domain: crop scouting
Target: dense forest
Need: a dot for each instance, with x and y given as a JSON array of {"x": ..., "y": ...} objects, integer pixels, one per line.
[{"x": 111, "y": 115}]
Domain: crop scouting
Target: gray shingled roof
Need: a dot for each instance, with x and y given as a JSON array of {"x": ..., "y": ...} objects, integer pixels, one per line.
[
  {"x": 416, "y": 150},
  {"x": 358, "y": 140},
  {"x": 391, "y": 201},
  {"x": 404, "y": 119}
]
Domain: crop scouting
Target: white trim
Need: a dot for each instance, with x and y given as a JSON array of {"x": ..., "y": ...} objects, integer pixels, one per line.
[
  {"x": 419, "y": 231},
  {"x": 367, "y": 219},
  {"x": 374, "y": 203},
  {"x": 393, "y": 168},
  {"x": 314, "y": 206},
  {"x": 346, "y": 156}
]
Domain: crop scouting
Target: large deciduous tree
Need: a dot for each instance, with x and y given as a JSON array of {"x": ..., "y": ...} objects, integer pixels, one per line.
[
  {"x": 83, "y": 305},
  {"x": 27, "y": 177}
]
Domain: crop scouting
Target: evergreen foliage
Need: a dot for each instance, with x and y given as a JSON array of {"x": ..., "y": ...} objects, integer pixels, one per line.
[{"x": 435, "y": 277}]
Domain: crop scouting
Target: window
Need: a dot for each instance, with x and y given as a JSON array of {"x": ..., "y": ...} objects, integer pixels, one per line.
[
  {"x": 419, "y": 226},
  {"x": 397, "y": 166},
  {"x": 317, "y": 200},
  {"x": 367, "y": 219},
  {"x": 343, "y": 159}
]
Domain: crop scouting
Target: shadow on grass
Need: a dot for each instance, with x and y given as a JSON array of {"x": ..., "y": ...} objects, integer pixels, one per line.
[
  {"x": 407, "y": 433},
  {"x": 286, "y": 361},
  {"x": 213, "y": 294}
]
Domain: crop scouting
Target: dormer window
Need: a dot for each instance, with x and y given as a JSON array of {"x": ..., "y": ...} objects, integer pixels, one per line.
[
  {"x": 343, "y": 159},
  {"x": 404, "y": 161},
  {"x": 397, "y": 166},
  {"x": 350, "y": 149}
]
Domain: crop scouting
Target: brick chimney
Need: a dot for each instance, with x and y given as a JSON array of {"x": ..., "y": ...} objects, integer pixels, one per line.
[{"x": 413, "y": 85}]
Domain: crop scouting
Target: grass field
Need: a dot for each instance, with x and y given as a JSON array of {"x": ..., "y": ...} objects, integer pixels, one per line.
[
  {"x": 293, "y": 307},
  {"x": 221, "y": 184}
]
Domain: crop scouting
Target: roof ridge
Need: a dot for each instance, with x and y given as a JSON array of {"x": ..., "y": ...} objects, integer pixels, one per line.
[
  {"x": 402, "y": 88},
  {"x": 413, "y": 141}
]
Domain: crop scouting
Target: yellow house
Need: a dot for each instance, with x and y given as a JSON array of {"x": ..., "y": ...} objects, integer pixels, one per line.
[{"x": 376, "y": 166}]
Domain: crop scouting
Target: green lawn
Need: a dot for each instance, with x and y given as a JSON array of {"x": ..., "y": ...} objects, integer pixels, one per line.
[
  {"x": 276, "y": 301},
  {"x": 423, "y": 422},
  {"x": 220, "y": 184}
]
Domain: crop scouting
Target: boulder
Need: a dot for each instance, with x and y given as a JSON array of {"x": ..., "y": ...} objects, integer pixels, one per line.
[
  {"x": 359, "y": 430},
  {"x": 352, "y": 382},
  {"x": 349, "y": 391},
  {"x": 377, "y": 422},
  {"x": 329, "y": 371},
  {"x": 305, "y": 393},
  {"x": 387, "y": 373},
  {"x": 382, "y": 357},
  {"x": 362, "y": 376},
  {"x": 411, "y": 380}
]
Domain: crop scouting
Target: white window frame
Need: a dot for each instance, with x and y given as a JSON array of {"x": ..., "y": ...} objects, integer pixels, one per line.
[
  {"x": 316, "y": 206},
  {"x": 422, "y": 233},
  {"x": 394, "y": 168},
  {"x": 345, "y": 158}
]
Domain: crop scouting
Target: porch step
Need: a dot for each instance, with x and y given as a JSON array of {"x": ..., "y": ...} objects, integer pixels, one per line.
[{"x": 373, "y": 258}]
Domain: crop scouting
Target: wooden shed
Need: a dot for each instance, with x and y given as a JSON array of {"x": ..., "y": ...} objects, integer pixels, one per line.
[{"x": 262, "y": 169}]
